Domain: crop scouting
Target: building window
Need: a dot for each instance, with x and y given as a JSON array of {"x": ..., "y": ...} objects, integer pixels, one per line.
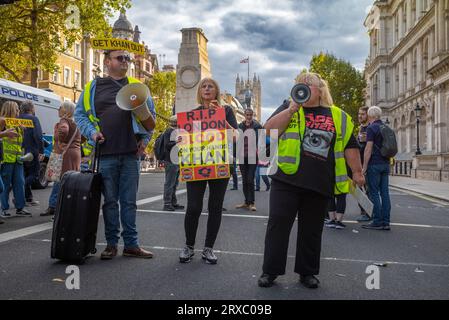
[
  {"x": 56, "y": 77},
  {"x": 77, "y": 50},
  {"x": 396, "y": 88},
  {"x": 396, "y": 28},
  {"x": 77, "y": 82},
  {"x": 66, "y": 76},
  {"x": 413, "y": 4},
  {"x": 414, "y": 68},
  {"x": 405, "y": 75}
]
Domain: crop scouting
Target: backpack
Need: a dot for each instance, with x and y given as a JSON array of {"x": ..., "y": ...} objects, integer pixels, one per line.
[
  {"x": 389, "y": 144},
  {"x": 159, "y": 144}
]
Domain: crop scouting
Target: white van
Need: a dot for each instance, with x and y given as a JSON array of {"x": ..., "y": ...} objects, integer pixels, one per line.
[
  {"x": 46, "y": 103},
  {"x": 46, "y": 107}
]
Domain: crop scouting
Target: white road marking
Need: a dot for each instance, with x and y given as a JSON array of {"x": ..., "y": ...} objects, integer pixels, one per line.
[
  {"x": 258, "y": 254},
  {"x": 266, "y": 217},
  {"x": 49, "y": 225},
  {"x": 25, "y": 232}
]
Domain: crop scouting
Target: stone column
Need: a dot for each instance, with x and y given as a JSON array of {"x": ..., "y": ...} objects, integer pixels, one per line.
[
  {"x": 401, "y": 24},
  {"x": 382, "y": 85},
  {"x": 382, "y": 35},
  {"x": 401, "y": 77},
  {"x": 193, "y": 65},
  {"x": 419, "y": 9},
  {"x": 409, "y": 15},
  {"x": 441, "y": 120}
]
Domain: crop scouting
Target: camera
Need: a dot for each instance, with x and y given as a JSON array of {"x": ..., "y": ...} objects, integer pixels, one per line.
[{"x": 300, "y": 93}]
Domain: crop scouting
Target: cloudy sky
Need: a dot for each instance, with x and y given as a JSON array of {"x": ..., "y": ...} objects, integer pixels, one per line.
[{"x": 279, "y": 36}]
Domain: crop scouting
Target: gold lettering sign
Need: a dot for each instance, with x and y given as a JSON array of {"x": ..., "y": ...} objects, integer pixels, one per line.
[
  {"x": 118, "y": 44},
  {"x": 14, "y": 122}
]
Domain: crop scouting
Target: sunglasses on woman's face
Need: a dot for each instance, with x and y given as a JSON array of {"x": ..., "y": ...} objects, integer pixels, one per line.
[{"x": 122, "y": 58}]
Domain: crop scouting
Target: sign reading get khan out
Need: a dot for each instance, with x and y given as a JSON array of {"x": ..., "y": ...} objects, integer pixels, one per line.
[{"x": 203, "y": 149}]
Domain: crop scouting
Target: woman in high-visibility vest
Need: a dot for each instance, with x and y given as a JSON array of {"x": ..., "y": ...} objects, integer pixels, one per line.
[
  {"x": 315, "y": 142},
  {"x": 12, "y": 167},
  {"x": 11, "y": 134}
]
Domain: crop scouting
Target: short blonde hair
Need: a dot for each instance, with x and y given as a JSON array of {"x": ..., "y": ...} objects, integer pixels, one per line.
[
  {"x": 10, "y": 109},
  {"x": 314, "y": 79},
  {"x": 68, "y": 109},
  {"x": 375, "y": 112},
  {"x": 199, "y": 99}
]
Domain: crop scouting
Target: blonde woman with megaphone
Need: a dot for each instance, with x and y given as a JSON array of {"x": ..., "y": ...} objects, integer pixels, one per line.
[{"x": 315, "y": 143}]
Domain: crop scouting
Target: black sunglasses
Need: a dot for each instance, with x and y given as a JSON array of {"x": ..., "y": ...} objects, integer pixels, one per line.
[{"x": 122, "y": 58}]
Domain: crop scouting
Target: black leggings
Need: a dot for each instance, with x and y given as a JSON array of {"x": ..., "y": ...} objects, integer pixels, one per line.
[
  {"x": 338, "y": 203},
  {"x": 195, "y": 196},
  {"x": 286, "y": 203}
]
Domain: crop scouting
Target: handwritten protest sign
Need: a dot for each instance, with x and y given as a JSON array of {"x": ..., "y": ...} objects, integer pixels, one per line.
[{"x": 203, "y": 150}]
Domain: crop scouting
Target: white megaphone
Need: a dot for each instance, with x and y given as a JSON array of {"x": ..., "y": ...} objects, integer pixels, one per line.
[
  {"x": 27, "y": 158},
  {"x": 133, "y": 97}
]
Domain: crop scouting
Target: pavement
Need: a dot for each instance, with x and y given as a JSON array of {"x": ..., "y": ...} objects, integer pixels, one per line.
[
  {"x": 434, "y": 189},
  {"x": 413, "y": 255}
]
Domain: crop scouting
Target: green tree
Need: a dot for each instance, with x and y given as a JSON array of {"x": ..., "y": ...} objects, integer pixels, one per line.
[
  {"x": 163, "y": 90},
  {"x": 34, "y": 31},
  {"x": 346, "y": 83}
]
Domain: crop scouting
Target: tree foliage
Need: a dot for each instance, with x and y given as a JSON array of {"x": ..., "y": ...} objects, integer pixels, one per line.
[
  {"x": 163, "y": 90},
  {"x": 346, "y": 83},
  {"x": 34, "y": 31}
]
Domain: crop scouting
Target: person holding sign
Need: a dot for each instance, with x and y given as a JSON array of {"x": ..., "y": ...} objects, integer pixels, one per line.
[
  {"x": 208, "y": 96},
  {"x": 315, "y": 142},
  {"x": 12, "y": 167}
]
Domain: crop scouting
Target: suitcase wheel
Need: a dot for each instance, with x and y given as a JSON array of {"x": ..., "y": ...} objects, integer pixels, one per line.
[{"x": 94, "y": 251}]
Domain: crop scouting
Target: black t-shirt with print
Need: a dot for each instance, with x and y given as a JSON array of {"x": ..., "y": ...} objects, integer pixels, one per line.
[{"x": 317, "y": 164}]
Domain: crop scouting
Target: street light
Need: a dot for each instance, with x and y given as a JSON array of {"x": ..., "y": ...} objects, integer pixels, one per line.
[
  {"x": 418, "y": 114},
  {"x": 75, "y": 89}
]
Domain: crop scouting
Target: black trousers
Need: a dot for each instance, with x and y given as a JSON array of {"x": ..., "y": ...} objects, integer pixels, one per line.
[
  {"x": 286, "y": 203},
  {"x": 195, "y": 196},
  {"x": 248, "y": 174},
  {"x": 31, "y": 171},
  {"x": 338, "y": 203}
]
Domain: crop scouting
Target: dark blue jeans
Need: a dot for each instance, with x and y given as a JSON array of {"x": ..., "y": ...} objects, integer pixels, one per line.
[
  {"x": 377, "y": 176},
  {"x": 120, "y": 176},
  {"x": 13, "y": 177}
]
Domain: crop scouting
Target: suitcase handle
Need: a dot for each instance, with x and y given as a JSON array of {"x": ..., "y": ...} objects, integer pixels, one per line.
[{"x": 96, "y": 161}]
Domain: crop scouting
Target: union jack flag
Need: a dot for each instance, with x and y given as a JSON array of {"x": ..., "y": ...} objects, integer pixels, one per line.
[{"x": 246, "y": 60}]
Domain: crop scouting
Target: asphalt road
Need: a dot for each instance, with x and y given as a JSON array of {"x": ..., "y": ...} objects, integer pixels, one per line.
[{"x": 415, "y": 250}]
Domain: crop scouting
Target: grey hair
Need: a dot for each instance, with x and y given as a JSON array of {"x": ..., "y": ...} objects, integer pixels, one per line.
[
  {"x": 68, "y": 108},
  {"x": 26, "y": 106},
  {"x": 375, "y": 112}
]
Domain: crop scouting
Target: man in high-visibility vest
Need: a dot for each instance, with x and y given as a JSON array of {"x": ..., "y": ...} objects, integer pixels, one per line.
[{"x": 123, "y": 140}]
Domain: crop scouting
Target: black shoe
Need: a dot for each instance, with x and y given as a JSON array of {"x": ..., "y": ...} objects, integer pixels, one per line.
[
  {"x": 386, "y": 227},
  {"x": 257, "y": 189},
  {"x": 339, "y": 225},
  {"x": 310, "y": 282},
  {"x": 268, "y": 188},
  {"x": 178, "y": 206},
  {"x": 2, "y": 222},
  {"x": 266, "y": 280},
  {"x": 23, "y": 213},
  {"x": 373, "y": 226},
  {"x": 168, "y": 208},
  {"x": 49, "y": 212}
]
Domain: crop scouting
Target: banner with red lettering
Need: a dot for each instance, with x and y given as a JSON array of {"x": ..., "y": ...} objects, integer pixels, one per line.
[{"x": 203, "y": 149}]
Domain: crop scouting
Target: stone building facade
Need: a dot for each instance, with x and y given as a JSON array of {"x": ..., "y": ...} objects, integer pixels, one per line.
[{"x": 408, "y": 66}]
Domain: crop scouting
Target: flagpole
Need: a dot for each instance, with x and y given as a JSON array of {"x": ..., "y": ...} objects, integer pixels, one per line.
[{"x": 248, "y": 68}]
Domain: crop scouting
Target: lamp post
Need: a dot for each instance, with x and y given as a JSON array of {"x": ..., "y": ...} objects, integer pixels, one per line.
[
  {"x": 418, "y": 114},
  {"x": 75, "y": 89}
]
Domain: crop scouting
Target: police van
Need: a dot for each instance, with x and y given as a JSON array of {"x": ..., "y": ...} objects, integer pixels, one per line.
[{"x": 46, "y": 107}]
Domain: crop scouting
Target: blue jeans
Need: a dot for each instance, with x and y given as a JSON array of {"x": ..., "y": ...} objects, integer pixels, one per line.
[
  {"x": 120, "y": 175},
  {"x": 53, "y": 201},
  {"x": 264, "y": 178},
  {"x": 13, "y": 176},
  {"x": 377, "y": 176}
]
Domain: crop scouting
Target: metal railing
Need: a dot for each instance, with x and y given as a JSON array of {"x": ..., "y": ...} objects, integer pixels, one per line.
[{"x": 402, "y": 168}]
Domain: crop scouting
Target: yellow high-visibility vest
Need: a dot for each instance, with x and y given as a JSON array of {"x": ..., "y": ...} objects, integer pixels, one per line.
[{"x": 289, "y": 149}]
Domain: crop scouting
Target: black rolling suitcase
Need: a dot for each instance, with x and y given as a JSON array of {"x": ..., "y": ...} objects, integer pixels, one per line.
[{"x": 76, "y": 217}]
